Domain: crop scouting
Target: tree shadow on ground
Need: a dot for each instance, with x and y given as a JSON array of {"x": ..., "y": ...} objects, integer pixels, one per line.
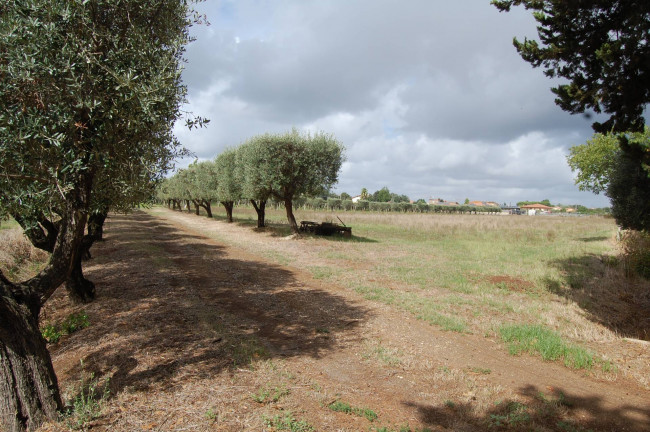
[
  {"x": 171, "y": 305},
  {"x": 599, "y": 286},
  {"x": 536, "y": 410}
]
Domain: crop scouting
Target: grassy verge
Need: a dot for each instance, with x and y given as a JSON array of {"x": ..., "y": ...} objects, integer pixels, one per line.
[{"x": 536, "y": 339}]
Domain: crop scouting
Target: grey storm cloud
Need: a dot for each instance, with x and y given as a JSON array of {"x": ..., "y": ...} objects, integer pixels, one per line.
[{"x": 429, "y": 97}]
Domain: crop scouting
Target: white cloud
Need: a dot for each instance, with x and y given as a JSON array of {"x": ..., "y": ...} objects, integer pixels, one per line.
[{"x": 429, "y": 97}]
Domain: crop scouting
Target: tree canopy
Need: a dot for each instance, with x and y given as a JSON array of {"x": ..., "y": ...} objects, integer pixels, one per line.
[
  {"x": 594, "y": 162},
  {"x": 602, "y": 48},
  {"x": 292, "y": 164},
  {"x": 90, "y": 90}
]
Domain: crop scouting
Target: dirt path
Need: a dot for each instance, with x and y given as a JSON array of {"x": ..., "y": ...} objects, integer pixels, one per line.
[{"x": 197, "y": 335}]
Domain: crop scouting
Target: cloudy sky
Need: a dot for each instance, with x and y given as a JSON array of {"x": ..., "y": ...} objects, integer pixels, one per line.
[{"x": 429, "y": 97}]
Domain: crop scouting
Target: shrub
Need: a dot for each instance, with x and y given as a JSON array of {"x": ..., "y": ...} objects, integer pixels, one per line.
[{"x": 636, "y": 253}]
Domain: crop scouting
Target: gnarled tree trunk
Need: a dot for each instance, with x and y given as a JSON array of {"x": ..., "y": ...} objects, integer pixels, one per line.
[
  {"x": 228, "y": 205},
  {"x": 28, "y": 384},
  {"x": 207, "y": 206},
  {"x": 80, "y": 289},
  {"x": 261, "y": 212},
  {"x": 288, "y": 205}
]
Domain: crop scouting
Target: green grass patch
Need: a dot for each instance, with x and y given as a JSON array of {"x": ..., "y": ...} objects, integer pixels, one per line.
[
  {"x": 270, "y": 394},
  {"x": 545, "y": 342},
  {"x": 287, "y": 422},
  {"x": 323, "y": 272},
  {"x": 8, "y": 224},
  {"x": 53, "y": 332},
  {"x": 344, "y": 407}
]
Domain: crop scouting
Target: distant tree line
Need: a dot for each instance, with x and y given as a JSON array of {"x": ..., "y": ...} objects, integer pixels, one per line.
[
  {"x": 366, "y": 205},
  {"x": 278, "y": 167}
]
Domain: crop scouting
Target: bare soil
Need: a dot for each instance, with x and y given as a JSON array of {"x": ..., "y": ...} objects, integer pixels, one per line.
[{"x": 189, "y": 333}]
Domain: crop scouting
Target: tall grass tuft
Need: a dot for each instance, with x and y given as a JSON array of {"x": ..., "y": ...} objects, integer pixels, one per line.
[
  {"x": 18, "y": 258},
  {"x": 538, "y": 339}
]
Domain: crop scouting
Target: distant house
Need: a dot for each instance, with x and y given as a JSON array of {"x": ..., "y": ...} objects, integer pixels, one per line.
[
  {"x": 534, "y": 208},
  {"x": 356, "y": 199}
]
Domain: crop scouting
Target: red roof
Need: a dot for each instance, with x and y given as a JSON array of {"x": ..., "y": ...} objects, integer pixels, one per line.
[{"x": 536, "y": 207}]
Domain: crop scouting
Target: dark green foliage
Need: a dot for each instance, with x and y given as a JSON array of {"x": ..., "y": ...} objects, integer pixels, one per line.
[
  {"x": 602, "y": 48},
  {"x": 629, "y": 191},
  {"x": 382, "y": 195}
]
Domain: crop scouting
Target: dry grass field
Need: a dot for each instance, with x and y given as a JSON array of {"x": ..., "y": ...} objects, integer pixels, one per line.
[
  {"x": 483, "y": 274},
  {"x": 417, "y": 323}
]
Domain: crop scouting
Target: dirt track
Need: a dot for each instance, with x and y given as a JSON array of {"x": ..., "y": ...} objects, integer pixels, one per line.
[{"x": 179, "y": 317}]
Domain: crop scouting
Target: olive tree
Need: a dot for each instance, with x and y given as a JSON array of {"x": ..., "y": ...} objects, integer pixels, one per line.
[
  {"x": 229, "y": 187},
  {"x": 254, "y": 187},
  {"x": 204, "y": 187},
  {"x": 86, "y": 87},
  {"x": 294, "y": 164}
]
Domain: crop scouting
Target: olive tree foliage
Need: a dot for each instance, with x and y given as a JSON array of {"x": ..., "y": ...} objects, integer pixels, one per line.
[
  {"x": 254, "y": 188},
  {"x": 204, "y": 184},
  {"x": 89, "y": 92},
  {"x": 229, "y": 187},
  {"x": 292, "y": 164}
]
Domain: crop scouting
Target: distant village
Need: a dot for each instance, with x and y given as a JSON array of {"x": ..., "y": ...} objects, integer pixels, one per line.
[{"x": 522, "y": 208}]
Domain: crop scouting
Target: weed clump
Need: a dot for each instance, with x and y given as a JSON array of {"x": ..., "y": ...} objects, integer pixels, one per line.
[
  {"x": 346, "y": 408},
  {"x": 286, "y": 421},
  {"x": 74, "y": 322}
]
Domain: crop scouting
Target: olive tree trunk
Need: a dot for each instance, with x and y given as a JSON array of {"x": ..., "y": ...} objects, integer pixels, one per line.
[
  {"x": 288, "y": 205},
  {"x": 207, "y": 206},
  {"x": 261, "y": 212},
  {"x": 228, "y": 205},
  {"x": 80, "y": 289},
  {"x": 28, "y": 384}
]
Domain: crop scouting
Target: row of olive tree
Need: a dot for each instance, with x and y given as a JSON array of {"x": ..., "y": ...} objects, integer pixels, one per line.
[
  {"x": 281, "y": 167},
  {"x": 89, "y": 92},
  {"x": 363, "y": 205}
]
